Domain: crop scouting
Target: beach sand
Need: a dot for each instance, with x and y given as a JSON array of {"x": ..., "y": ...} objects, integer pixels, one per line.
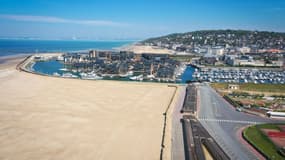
[
  {"x": 54, "y": 118},
  {"x": 139, "y": 49},
  {"x": 8, "y": 62}
]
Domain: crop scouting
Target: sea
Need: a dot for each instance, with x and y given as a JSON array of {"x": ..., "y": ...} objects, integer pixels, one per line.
[
  {"x": 13, "y": 47},
  {"x": 19, "y": 47}
]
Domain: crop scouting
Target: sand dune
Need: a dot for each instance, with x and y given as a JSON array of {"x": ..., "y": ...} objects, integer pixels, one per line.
[{"x": 54, "y": 118}]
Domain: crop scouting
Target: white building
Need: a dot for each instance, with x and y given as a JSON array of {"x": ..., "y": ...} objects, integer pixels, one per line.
[
  {"x": 219, "y": 51},
  {"x": 244, "y": 50}
]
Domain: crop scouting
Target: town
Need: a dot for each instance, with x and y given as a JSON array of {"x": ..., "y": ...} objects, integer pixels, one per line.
[
  {"x": 231, "y": 56},
  {"x": 227, "y": 47},
  {"x": 123, "y": 65},
  {"x": 221, "y": 42}
]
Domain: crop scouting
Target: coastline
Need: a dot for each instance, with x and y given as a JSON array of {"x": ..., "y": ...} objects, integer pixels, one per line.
[{"x": 8, "y": 62}]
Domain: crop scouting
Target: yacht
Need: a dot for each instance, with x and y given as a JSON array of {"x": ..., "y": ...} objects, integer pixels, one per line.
[
  {"x": 69, "y": 75},
  {"x": 63, "y": 69},
  {"x": 56, "y": 74},
  {"x": 90, "y": 75},
  {"x": 129, "y": 73},
  {"x": 137, "y": 78}
]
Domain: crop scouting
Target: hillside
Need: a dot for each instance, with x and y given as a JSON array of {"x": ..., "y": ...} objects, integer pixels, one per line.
[{"x": 231, "y": 38}]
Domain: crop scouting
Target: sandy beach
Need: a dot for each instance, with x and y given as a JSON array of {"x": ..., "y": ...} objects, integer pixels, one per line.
[
  {"x": 8, "y": 62},
  {"x": 139, "y": 49},
  {"x": 53, "y": 118}
]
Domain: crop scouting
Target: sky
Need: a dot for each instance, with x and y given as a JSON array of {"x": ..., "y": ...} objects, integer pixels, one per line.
[{"x": 134, "y": 19}]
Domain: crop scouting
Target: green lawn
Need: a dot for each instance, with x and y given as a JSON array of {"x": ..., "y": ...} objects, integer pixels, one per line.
[
  {"x": 182, "y": 58},
  {"x": 220, "y": 85},
  {"x": 263, "y": 87},
  {"x": 260, "y": 141},
  {"x": 254, "y": 87}
]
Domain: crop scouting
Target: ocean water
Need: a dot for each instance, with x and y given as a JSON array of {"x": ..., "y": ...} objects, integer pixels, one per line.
[{"x": 14, "y": 47}]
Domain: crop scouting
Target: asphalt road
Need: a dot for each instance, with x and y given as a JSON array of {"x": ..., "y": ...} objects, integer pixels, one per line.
[
  {"x": 177, "y": 150},
  {"x": 222, "y": 121}
]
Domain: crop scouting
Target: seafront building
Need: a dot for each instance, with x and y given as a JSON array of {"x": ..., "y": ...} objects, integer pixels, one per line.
[{"x": 158, "y": 67}]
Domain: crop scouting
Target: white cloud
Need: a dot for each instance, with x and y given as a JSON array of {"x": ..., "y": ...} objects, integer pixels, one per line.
[
  {"x": 48, "y": 19},
  {"x": 274, "y": 9}
]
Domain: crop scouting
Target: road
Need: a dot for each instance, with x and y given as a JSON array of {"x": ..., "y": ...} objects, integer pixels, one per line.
[
  {"x": 177, "y": 150},
  {"x": 222, "y": 122}
]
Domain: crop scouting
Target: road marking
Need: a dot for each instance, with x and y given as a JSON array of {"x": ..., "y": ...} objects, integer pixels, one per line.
[{"x": 227, "y": 121}]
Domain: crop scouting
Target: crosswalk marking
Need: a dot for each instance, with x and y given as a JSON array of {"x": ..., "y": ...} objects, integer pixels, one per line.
[{"x": 227, "y": 121}]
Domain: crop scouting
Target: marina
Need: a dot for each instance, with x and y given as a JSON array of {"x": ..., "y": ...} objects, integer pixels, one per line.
[
  {"x": 55, "y": 68},
  {"x": 114, "y": 66},
  {"x": 240, "y": 75},
  {"x": 140, "y": 72}
]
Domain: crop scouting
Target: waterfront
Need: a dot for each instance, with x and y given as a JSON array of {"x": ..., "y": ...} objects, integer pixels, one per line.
[{"x": 56, "y": 68}]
